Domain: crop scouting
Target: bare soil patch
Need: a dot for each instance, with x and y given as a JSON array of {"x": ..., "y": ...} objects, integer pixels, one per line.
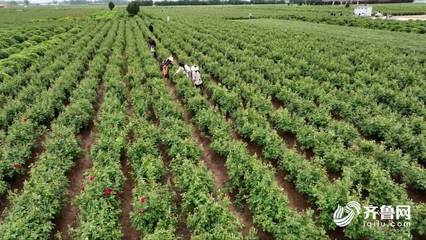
[
  {"x": 126, "y": 197},
  {"x": 416, "y": 195},
  {"x": 245, "y": 215},
  {"x": 336, "y": 234},
  {"x": 216, "y": 165},
  {"x": 296, "y": 200},
  {"x": 404, "y": 18},
  {"x": 277, "y": 104}
]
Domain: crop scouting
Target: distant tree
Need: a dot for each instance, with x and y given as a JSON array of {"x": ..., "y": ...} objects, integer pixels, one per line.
[
  {"x": 133, "y": 8},
  {"x": 27, "y": 2},
  {"x": 111, "y": 5}
]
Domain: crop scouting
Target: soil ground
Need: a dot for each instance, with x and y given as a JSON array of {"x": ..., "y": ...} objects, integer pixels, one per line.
[{"x": 405, "y": 17}]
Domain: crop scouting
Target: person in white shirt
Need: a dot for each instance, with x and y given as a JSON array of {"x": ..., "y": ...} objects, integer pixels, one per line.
[
  {"x": 196, "y": 76},
  {"x": 192, "y": 73},
  {"x": 185, "y": 69}
]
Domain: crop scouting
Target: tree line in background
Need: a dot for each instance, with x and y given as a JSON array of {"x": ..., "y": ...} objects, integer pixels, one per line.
[
  {"x": 223, "y": 2},
  {"x": 209, "y": 2},
  {"x": 64, "y": 2},
  {"x": 231, "y": 2},
  {"x": 240, "y": 2}
]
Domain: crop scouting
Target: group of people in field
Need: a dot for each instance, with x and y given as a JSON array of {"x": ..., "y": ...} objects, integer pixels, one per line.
[{"x": 191, "y": 72}]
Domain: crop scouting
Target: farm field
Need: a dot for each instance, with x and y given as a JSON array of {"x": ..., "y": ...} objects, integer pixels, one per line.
[
  {"x": 304, "y": 121},
  {"x": 16, "y": 16}
]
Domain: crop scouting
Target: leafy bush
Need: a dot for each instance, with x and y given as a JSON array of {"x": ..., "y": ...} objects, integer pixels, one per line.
[
  {"x": 133, "y": 8},
  {"x": 111, "y": 5}
]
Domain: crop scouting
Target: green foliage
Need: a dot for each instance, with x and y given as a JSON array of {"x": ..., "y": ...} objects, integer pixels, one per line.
[
  {"x": 156, "y": 211},
  {"x": 111, "y": 5},
  {"x": 359, "y": 114},
  {"x": 31, "y": 212},
  {"x": 133, "y": 8},
  {"x": 307, "y": 114},
  {"x": 419, "y": 219}
]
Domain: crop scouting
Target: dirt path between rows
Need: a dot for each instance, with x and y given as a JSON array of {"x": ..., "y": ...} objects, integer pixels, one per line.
[
  {"x": 296, "y": 200},
  {"x": 126, "y": 196},
  {"x": 68, "y": 214},
  {"x": 17, "y": 182},
  {"x": 291, "y": 142},
  {"x": 182, "y": 230},
  {"x": 216, "y": 165}
]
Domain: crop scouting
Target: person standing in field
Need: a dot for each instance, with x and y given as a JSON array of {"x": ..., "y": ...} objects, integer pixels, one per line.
[
  {"x": 185, "y": 69},
  {"x": 165, "y": 65},
  {"x": 151, "y": 28},
  {"x": 152, "y": 46},
  {"x": 196, "y": 76},
  {"x": 192, "y": 73}
]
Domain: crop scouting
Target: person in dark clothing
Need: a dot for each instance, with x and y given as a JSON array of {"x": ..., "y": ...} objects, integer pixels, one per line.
[
  {"x": 152, "y": 46},
  {"x": 151, "y": 28},
  {"x": 165, "y": 65}
]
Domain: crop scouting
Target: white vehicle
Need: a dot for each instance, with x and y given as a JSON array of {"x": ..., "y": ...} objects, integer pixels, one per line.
[{"x": 363, "y": 11}]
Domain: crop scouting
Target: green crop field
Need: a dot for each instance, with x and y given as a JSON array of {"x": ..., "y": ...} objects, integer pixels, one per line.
[
  {"x": 310, "y": 123},
  {"x": 18, "y": 16}
]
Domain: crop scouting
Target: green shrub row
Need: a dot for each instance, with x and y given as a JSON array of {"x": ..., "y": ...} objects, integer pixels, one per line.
[
  {"x": 32, "y": 211},
  {"x": 250, "y": 178},
  {"x": 22, "y": 135},
  {"x": 154, "y": 210},
  {"x": 35, "y": 81},
  {"x": 11, "y": 86},
  {"x": 99, "y": 203},
  {"x": 252, "y": 125}
]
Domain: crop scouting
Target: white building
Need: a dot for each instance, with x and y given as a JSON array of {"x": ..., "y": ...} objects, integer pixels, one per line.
[{"x": 363, "y": 11}]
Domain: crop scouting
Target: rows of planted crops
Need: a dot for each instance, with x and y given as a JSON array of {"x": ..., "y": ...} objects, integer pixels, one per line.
[
  {"x": 30, "y": 213},
  {"x": 322, "y": 116},
  {"x": 339, "y": 144},
  {"x": 334, "y": 15}
]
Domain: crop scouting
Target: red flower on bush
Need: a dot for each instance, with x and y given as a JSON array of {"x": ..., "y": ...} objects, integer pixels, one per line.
[
  {"x": 16, "y": 165},
  {"x": 142, "y": 199},
  {"x": 90, "y": 177},
  {"x": 107, "y": 192}
]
